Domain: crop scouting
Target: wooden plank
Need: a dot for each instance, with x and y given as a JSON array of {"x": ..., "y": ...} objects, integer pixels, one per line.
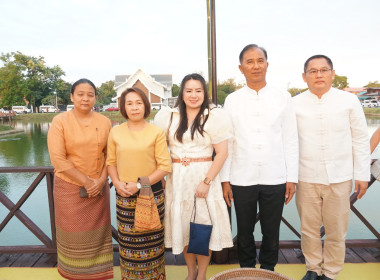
[
  {"x": 290, "y": 255},
  {"x": 27, "y": 249},
  {"x": 365, "y": 254},
  {"x": 281, "y": 257},
  {"x": 22, "y": 169},
  {"x": 375, "y": 252},
  {"x": 6, "y": 260},
  {"x": 27, "y": 260},
  {"x": 169, "y": 258},
  {"x": 179, "y": 259},
  {"x": 352, "y": 257},
  {"x": 46, "y": 260},
  {"x": 300, "y": 255},
  {"x": 116, "y": 259}
]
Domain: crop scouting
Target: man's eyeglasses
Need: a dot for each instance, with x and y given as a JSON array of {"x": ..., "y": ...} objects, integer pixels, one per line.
[{"x": 323, "y": 71}]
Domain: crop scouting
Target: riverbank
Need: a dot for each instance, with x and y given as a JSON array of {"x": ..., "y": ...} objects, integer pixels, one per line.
[
  {"x": 48, "y": 117},
  {"x": 372, "y": 111},
  {"x": 5, "y": 130}
]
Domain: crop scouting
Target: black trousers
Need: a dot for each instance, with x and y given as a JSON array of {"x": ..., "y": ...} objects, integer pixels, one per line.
[{"x": 270, "y": 199}]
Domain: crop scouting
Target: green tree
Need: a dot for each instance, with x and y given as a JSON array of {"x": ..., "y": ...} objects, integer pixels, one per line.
[
  {"x": 26, "y": 79},
  {"x": 175, "y": 90},
  {"x": 294, "y": 91},
  {"x": 50, "y": 100},
  {"x": 225, "y": 88},
  {"x": 105, "y": 93},
  {"x": 340, "y": 82},
  {"x": 63, "y": 90},
  {"x": 373, "y": 84}
]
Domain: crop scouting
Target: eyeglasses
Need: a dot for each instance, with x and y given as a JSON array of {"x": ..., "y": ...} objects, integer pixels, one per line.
[{"x": 323, "y": 71}]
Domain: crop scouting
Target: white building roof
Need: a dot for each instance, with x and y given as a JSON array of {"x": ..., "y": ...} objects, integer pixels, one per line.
[{"x": 148, "y": 81}]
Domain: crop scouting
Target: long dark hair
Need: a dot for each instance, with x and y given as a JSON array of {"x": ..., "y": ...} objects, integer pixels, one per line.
[{"x": 199, "y": 122}]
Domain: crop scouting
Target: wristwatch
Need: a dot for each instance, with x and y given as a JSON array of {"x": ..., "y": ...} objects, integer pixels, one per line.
[
  {"x": 143, "y": 182},
  {"x": 138, "y": 184},
  {"x": 207, "y": 181}
]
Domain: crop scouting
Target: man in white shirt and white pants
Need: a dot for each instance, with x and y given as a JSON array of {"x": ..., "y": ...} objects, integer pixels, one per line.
[
  {"x": 334, "y": 149},
  {"x": 262, "y": 164}
]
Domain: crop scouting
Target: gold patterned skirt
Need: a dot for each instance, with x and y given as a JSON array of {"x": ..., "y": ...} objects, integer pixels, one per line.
[
  {"x": 141, "y": 253},
  {"x": 84, "y": 240}
]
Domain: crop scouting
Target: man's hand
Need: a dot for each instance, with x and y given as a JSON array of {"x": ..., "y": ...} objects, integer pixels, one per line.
[
  {"x": 290, "y": 191},
  {"x": 227, "y": 193},
  {"x": 362, "y": 185}
]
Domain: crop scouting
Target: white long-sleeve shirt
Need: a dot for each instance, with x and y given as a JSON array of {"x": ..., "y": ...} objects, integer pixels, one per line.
[
  {"x": 333, "y": 138},
  {"x": 264, "y": 149}
]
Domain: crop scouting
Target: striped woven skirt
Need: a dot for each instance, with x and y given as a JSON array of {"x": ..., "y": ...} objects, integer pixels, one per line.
[
  {"x": 84, "y": 240},
  {"x": 141, "y": 253}
]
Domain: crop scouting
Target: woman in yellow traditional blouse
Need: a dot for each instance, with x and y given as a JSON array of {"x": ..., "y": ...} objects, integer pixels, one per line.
[
  {"x": 77, "y": 143},
  {"x": 138, "y": 150}
]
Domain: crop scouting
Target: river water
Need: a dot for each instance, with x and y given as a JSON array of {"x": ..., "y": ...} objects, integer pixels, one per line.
[{"x": 30, "y": 149}]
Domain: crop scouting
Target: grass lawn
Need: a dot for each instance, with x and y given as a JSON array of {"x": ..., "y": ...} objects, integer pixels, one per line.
[
  {"x": 47, "y": 117},
  {"x": 5, "y": 128},
  {"x": 372, "y": 111}
]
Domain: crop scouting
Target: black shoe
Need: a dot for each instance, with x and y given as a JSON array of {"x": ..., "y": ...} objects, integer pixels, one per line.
[
  {"x": 311, "y": 275},
  {"x": 324, "y": 277}
]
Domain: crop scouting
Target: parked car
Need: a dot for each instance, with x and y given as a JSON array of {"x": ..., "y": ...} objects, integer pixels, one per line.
[
  {"x": 69, "y": 107},
  {"x": 47, "y": 109},
  {"x": 110, "y": 109},
  {"x": 370, "y": 103},
  {"x": 21, "y": 109}
]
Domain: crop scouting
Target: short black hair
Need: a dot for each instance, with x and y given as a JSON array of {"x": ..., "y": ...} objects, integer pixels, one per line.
[
  {"x": 82, "y": 81},
  {"x": 316, "y": 57},
  {"x": 252, "y": 46}
]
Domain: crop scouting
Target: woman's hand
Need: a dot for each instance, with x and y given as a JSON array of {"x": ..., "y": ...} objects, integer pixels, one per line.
[
  {"x": 202, "y": 190},
  {"x": 94, "y": 186},
  {"x": 132, "y": 188},
  {"x": 90, "y": 186},
  {"x": 121, "y": 189}
]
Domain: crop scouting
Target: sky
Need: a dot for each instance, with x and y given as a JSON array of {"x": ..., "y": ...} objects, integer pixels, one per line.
[{"x": 98, "y": 39}]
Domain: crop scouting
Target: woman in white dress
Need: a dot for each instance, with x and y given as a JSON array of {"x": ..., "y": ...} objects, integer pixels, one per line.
[{"x": 193, "y": 132}]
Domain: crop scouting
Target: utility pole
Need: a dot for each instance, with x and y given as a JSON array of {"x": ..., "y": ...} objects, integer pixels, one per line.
[
  {"x": 211, "y": 44},
  {"x": 56, "y": 101}
]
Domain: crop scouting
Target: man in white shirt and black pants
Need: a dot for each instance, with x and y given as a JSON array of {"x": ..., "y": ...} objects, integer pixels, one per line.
[
  {"x": 334, "y": 149},
  {"x": 262, "y": 165}
]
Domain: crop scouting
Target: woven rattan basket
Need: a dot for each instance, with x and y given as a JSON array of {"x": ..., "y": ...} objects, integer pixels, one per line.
[{"x": 249, "y": 274}]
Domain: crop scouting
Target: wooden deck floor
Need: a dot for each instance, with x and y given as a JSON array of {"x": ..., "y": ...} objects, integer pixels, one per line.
[{"x": 286, "y": 256}]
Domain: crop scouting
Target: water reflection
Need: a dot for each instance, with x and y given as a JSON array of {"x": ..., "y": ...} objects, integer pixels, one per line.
[{"x": 30, "y": 149}]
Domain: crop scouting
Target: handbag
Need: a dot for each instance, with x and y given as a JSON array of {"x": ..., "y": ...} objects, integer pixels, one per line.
[
  {"x": 200, "y": 234},
  {"x": 146, "y": 212}
]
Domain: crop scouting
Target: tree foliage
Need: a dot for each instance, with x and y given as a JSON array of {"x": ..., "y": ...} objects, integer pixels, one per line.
[
  {"x": 294, "y": 91},
  {"x": 373, "y": 84},
  {"x": 27, "y": 79},
  {"x": 225, "y": 88},
  {"x": 175, "y": 90},
  {"x": 105, "y": 93},
  {"x": 340, "y": 82}
]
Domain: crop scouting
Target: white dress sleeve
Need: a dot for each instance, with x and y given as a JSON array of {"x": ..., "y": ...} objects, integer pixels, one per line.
[
  {"x": 219, "y": 127},
  {"x": 162, "y": 119}
]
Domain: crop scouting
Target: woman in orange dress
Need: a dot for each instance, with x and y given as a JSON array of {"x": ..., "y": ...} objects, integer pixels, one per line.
[{"x": 77, "y": 142}]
